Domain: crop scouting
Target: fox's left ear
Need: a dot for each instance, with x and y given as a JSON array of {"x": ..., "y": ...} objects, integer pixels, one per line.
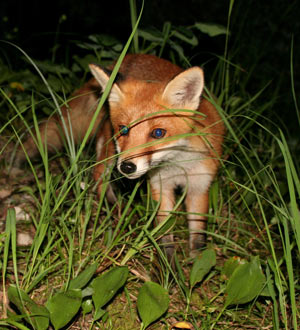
[
  {"x": 184, "y": 91},
  {"x": 102, "y": 77}
]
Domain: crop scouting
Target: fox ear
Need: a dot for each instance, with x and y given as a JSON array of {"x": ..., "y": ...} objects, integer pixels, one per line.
[
  {"x": 185, "y": 89},
  {"x": 102, "y": 77}
]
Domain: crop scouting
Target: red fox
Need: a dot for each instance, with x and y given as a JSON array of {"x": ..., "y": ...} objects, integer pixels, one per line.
[{"x": 159, "y": 124}]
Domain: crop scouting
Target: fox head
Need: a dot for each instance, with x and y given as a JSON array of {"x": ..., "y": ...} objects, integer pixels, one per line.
[{"x": 152, "y": 119}]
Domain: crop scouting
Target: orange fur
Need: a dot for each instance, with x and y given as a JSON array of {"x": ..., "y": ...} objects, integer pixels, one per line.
[{"x": 175, "y": 148}]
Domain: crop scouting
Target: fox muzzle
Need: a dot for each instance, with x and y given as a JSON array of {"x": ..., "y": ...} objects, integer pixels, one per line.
[{"x": 128, "y": 167}]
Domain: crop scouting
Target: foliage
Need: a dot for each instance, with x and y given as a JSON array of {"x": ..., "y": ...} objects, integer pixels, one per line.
[
  {"x": 152, "y": 301},
  {"x": 87, "y": 258}
]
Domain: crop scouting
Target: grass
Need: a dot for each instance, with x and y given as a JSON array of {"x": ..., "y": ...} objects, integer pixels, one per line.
[{"x": 76, "y": 238}]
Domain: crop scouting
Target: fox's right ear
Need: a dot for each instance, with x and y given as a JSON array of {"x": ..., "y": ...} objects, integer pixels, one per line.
[{"x": 102, "y": 77}]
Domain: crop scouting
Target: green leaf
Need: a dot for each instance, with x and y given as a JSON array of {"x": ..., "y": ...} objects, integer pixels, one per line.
[
  {"x": 63, "y": 306},
  {"x": 15, "y": 324},
  {"x": 185, "y": 35},
  {"x": 103, "y": 39},
  {"x": 88, "y": 291},
  {"x": 83, "y": 278},
  {"x": 246, "y": 283},
  {"x": 107, "y": 285},
  {"x": 99, "y": 313},
  {"x": 212, "y": 30},
  {"x": 152, "y": 303},
  {"x": 151, "y": 35},
  {"x": 26, "y": 305},
  {"x": 202, "y": 265},
  {"x": 87, "y": 306},
  {"x": 230, "y": 266}
]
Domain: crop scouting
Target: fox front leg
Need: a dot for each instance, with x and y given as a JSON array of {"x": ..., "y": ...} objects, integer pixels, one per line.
[
  {"x": 167, "y": 202},
  {"x": 197, "y": 208}
]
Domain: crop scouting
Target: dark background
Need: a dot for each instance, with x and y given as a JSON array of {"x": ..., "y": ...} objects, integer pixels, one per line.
[{"x": 261, "y": 34}]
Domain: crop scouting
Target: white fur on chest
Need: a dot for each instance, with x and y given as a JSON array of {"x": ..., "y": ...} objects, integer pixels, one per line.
[{"x": 181, "y": 166}]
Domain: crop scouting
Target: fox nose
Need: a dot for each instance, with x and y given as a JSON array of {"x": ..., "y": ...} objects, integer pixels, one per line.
[{"x": 128, "y": 167}]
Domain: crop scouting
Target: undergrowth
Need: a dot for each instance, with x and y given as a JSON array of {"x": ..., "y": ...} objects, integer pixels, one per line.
[{"x": 101, "y": 264}]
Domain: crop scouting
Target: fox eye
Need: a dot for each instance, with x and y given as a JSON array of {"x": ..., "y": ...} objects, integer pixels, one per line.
[
  {"x": 158, "y": 133},
  {"x": 124, "y": 130}
]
